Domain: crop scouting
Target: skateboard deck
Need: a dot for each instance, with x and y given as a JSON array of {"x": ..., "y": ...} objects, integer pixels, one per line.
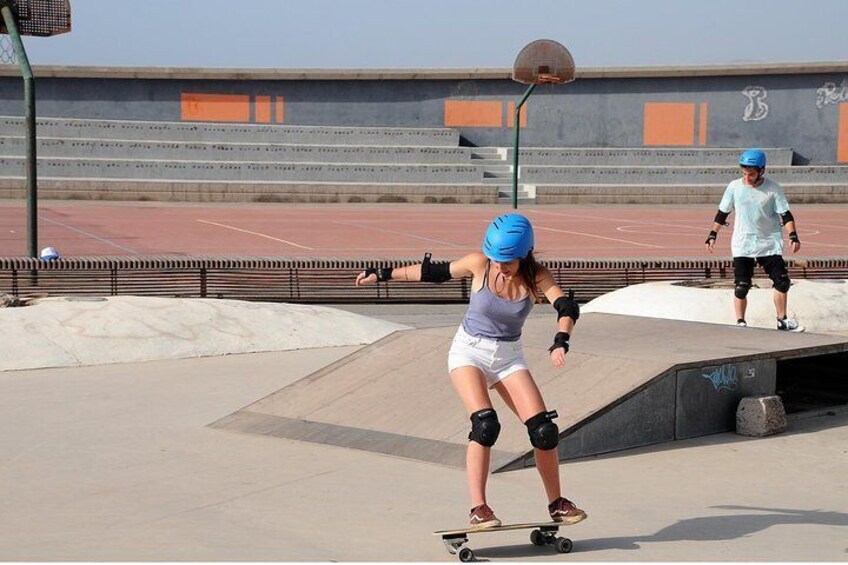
[{"x": 544, "y": 533}]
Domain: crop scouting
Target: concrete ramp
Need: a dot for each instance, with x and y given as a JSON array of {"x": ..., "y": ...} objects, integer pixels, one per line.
[{"x": 629, "y": 381}]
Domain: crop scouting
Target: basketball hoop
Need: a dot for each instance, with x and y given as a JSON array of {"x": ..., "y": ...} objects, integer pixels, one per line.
[
  {"x": 543, "y": 78},
  {"x": 543, "y": 62}
]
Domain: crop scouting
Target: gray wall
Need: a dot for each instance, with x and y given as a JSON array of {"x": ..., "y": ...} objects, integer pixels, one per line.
[{"x": 597, "y": 110}]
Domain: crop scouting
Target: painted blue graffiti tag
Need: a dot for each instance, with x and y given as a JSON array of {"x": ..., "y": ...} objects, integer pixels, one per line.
[{"x": 723, "y": 378}]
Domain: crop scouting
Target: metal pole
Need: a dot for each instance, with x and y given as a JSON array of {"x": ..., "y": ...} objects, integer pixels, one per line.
[
  {"x": 29, "y": 119},
  {"x": 517, "y": 124}
]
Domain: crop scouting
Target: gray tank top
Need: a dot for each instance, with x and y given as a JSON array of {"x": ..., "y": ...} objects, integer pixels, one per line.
[{"x": 493, "y": 317}]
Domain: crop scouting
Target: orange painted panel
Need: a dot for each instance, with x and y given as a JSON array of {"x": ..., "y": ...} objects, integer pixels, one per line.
[
  {"x": 669, "y": 123},
  {"x": 702, "y": 124},
  {"x": 510, "y": 114},
  {"x": 473, "y": 113},
  {"x": 842, "y": 140},
  {"x": 263, "y": 109},
  {"x": 280, "y": 110},
  {"x": 199, "y": 107}
]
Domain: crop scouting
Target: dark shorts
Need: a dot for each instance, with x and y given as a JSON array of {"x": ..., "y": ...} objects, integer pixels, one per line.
[{"x": 773, "y": 265}]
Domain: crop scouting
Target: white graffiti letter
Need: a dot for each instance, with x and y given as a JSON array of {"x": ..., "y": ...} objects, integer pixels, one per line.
[
  {"x": 829, "y": 93},
  {"x": 757, "y": 109}
]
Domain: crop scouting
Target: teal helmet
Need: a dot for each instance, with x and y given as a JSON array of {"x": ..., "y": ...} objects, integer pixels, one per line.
[
  {"x": 753, "y": 158},
  {"x": 508, "y": 237}
]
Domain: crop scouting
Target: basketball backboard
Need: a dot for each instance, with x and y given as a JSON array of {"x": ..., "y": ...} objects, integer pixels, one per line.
[
  {"x": 41, "y": 18},
  {"x": 543, "y": 61}
]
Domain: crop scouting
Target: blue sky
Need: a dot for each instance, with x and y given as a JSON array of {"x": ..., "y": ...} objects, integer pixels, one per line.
[{"x": 344, "y": 34}]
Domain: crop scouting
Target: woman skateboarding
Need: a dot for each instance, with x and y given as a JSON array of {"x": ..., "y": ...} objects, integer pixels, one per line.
[{"x": 487, "y": 353}]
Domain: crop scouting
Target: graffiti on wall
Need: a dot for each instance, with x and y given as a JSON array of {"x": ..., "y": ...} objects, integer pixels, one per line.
[
  {"x": 725, "y": 377},
  {"x": 830, "y": 93},
  {"x": 757, "y": 108}
]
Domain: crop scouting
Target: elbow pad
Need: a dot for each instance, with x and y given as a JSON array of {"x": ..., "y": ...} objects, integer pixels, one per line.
[
  {"x": 721, "y": 217},
  {"x": 567, "y": 306},
  {"x": 787, "y": 217},
  {"x": 434, "y": 272}
]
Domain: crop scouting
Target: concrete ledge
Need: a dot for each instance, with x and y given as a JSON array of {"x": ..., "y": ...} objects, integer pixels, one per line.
[
  {"x": 222, "y": 132},
  {"x": 535, "y": 174},
  {"x": 210, "y": 191},
  {"x": 635, "y": 156},
  {"x": 478, "y": 73},
  {"x": 58, "y": 167},
  {"x": 798, "y": 193},
  {"x": 228, "y": 151}
]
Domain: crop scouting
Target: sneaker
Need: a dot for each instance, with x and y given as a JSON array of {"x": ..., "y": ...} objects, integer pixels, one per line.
[
  {"x": 483, "y": 517},
  {"x": 789, "y": 325},
  {"x": 563, "y": 510},
  {"x": 740, "y": 323}
]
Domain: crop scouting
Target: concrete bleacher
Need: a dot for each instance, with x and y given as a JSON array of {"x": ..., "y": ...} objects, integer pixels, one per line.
[
  {"x": 214, "y": 162},
  {"x": 79, "y": 148},
  {"x": 225, "y": 132},
  {"x": 209, "y": 162},
  {"x": 637, "y": 156},
  {"x": 663, "y": 175}
]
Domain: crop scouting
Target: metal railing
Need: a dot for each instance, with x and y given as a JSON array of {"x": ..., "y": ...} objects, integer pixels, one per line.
[{"x": 331, "y": 280}]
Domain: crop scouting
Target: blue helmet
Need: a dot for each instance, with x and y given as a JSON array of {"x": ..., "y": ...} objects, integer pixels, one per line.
[
  {"x": 48, "y": 254},
  {"x": 508, "y": 237},
  {"x": 753, "y": 158}
]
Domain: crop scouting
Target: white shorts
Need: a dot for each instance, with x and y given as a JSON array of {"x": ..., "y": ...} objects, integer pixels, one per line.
[{"x": 496, "y": 359}]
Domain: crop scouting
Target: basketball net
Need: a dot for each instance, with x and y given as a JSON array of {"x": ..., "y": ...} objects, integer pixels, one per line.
[{"x": 7, "y": 51}]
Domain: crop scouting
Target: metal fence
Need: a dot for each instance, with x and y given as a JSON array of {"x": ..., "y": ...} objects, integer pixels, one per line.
[{"x": 327, "y": 281}]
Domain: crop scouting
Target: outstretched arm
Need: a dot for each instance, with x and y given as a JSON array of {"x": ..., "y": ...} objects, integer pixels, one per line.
[{"x": 426, "y": 271}]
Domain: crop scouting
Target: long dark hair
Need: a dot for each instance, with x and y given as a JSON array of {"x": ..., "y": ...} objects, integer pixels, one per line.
[{"x": 529, "y": 270}]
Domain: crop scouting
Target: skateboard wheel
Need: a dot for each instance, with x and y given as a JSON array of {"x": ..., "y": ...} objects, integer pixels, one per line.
[
  {"x": 564, "y": 545},
  {"x": 466, "y": 555},
  {"x": 536, "y": 538}
]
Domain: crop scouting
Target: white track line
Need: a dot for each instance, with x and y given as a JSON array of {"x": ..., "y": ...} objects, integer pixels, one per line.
[
  {"x": 257, "y": 234},
  {"x": 91, "y": 235},
  {"x": 399, "y": 233},
  {"x": 600, "y": 237}
]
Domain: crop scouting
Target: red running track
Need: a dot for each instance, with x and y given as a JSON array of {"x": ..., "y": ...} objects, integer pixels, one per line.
[{"x": 386, "y": 230}]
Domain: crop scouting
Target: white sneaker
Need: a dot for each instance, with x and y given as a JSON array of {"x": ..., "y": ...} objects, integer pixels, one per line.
[
  {"x": 741, "y": 324},
  {"x": 789, "y": 325}
]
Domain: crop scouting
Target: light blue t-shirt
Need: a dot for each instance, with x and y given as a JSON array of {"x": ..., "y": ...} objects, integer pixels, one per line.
[{"x": 757, "y": 230}]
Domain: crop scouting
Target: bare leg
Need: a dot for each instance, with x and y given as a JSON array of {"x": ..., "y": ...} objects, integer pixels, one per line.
[
  {"x": 521, "y": 394},
  {"x": 780, "y": 300},
  {"x": 740, "y": 305},
  {"x": 470, "y": 384}
]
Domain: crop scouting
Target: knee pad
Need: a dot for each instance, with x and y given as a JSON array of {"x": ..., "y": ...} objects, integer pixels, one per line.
[
  {"x": 544, "y": 434},
  {"x": 782, "y": 283},
  {"x": 741, "y": 290},
  {"x": 485, "y": 427}
]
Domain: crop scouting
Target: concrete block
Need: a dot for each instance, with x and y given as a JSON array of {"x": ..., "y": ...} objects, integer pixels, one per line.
[{"x": 760, "y": 416}]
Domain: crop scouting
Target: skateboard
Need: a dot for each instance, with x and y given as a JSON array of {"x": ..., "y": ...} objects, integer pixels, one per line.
[{"x": 544, "y": 533}]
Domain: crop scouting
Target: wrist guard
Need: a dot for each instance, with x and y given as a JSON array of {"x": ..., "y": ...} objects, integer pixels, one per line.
[
  {"x": 712, "y": 237},
  {"x": 560, "y": 340},
  {"x": 383, "y": 273},
  {"x": 793, "y": 237}
]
